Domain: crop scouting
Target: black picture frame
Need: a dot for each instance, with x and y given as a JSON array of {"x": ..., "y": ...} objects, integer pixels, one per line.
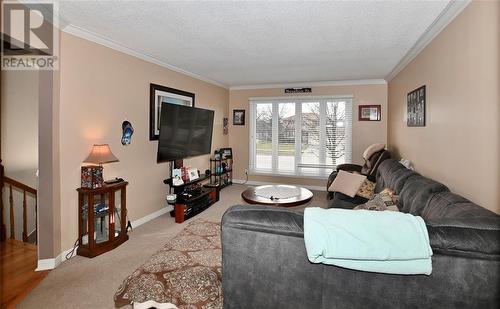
[
  {"x": 238, "y": 117},
  {"x": 156, "y": 91},
  {"x": 226, "y": 153},
  {"x": 369, "y": 113},
  {"x": 415, "y": 107}
]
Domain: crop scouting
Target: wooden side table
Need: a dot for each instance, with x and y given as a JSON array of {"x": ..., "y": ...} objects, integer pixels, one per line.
[{"x": 102, "y": 218}]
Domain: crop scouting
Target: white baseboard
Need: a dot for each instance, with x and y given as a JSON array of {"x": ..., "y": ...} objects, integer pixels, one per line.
[
  {"x": 151, "y": 216},
  {"x": 47, "y": 264},
  {"x": 260, "y": 183}
]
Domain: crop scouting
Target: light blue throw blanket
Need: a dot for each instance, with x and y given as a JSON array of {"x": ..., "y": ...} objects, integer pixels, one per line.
[{"x": 376, "y": 241}]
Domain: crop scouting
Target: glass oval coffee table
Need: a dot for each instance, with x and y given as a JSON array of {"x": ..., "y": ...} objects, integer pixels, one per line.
[{"x": 277, "y": 195}]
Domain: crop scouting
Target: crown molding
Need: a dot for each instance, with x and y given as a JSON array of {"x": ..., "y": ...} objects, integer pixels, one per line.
[
  {"x": 99, "y": 39},
  {"x": 313, "y": 84},
  {"x": 451, "y": 11}
]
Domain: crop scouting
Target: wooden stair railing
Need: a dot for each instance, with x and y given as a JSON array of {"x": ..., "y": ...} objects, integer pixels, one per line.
[
  {"x": 14, "y": 184},
  {"x": 2, "y": 219}
]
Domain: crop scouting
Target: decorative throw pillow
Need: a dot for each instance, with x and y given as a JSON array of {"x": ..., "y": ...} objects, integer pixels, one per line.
[
  {"x": 386, "y": 199},
  {"x": 377, "y": 203},
  {"x": 366, "y": 189},
  {"x": 389, "y": 196},
  {"x": 347, "y": 183}
]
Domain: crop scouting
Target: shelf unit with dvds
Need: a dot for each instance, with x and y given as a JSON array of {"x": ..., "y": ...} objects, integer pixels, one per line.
[
  {"x": 221, "y": 172},
  {"x": 192, "y": 201}
]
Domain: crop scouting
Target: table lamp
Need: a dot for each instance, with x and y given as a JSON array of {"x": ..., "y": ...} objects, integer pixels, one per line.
[{"x": 92, "y": 176}]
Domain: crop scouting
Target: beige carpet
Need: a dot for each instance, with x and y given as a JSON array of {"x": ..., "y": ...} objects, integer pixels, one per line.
[{"x": 91, "y": 283}]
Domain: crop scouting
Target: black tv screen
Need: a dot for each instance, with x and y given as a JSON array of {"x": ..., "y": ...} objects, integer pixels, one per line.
[{"x": 184, "y": 132}]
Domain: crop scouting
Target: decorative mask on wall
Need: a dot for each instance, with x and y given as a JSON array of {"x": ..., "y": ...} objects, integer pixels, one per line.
[
  {"x": 225, "y": 122},
  {"x": 127, "y": 131}
]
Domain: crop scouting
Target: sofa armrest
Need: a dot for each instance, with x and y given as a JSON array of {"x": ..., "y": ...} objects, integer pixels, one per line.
[
  {"x": 264, "y": 260},
  {"x": 267, "y": 219},
  {"x": 349, "y": 167},
  {"x": 449, "y": 237}
]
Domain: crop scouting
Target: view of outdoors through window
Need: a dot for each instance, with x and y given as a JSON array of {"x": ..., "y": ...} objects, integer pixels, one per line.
[
  {"x": 314, "y": 146},
  {"x": 286, "y": 137},
  {"x": 263, "y": 136}
]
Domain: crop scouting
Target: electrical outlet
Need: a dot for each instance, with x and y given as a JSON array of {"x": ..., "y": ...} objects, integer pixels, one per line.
[{"x": 246, "y": 171}]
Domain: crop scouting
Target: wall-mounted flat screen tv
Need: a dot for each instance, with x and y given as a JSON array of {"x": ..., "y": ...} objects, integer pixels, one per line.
[{"x": 184, "y": 132}]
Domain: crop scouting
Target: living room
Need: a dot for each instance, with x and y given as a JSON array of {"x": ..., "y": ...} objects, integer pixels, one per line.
[{"x": 291, "y": 103}]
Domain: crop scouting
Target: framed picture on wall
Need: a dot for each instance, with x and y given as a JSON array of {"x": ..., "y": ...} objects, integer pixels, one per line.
[
  {"x": 239, "y": 117},
  {"x": 157, "y": 96},
  {"x": 415, "y": 108},
  {"x": 226, "y": 153},
  {"x": 369, "y": 112}
]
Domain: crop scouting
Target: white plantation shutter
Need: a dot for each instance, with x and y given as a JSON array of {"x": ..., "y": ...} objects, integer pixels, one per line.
[
  {"x": 262, "y": 136},
  {"x": 338, "y": 130},
  {"x": 306, "y": 136}
]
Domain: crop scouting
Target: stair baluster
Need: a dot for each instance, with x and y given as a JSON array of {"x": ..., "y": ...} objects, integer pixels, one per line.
[
  {"x": 11, "y": 202},
  {"x": 25, "y": 223},
  {"x": 25, "y": 189}
]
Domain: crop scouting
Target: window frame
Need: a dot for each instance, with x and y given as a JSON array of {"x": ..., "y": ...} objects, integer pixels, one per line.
[{"x": 298, "y": 100}]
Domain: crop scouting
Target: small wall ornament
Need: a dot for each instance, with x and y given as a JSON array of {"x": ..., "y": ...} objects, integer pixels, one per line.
[
  {"x": 225, "y": 123},
  {"x": 127, "y": 132}
]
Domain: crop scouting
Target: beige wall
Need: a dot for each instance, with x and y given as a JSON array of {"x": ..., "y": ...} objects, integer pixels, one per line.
[
  {"x": 100, "y": 88},
  {"x": 19, "y": 123},
  {"x": 460, "y": 143},
  {"x": 364, "y": 132},
  {"x": 19, "y": 120}
]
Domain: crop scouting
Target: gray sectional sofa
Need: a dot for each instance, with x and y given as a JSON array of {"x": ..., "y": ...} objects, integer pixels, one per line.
[{"x": 265, "y": 263}]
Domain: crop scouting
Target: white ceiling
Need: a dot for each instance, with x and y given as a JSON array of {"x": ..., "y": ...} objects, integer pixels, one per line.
[{"x": 246, "y": 43}]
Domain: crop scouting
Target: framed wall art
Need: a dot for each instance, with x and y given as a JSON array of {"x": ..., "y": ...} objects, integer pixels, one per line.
[
  {"x": 226, "y": 153},
  {"x": 239, "y": 117},
  {"x": 369, "y": 112},
  {"x": 157, "y": 96},
  {"x": 415, "y": 108}
]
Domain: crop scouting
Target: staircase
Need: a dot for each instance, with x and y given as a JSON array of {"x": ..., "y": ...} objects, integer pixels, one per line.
[
  {"x": 12, "y": 186},
  {"x": 18, "y": 257}
]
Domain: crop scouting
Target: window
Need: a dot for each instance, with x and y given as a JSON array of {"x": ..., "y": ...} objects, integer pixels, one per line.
[{"x": 304, "y": 136}]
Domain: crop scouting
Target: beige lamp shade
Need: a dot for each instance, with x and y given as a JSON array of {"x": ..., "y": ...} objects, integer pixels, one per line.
[{"x": 101, "y": 154}]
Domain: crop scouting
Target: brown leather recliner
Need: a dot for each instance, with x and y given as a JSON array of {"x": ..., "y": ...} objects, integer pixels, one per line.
[{"x": 369, "y": 168}]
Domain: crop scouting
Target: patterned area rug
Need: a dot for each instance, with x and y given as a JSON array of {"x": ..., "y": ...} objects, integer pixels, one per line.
[{"x": 186, "y": 272}]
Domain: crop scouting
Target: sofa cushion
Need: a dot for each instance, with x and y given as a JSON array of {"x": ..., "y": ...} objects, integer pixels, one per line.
[
  {"x": 391, "y": 174},
  {"x": 416, "y": 193},
  {"x": 445, "y": 206},
  {"x": 459, "y": 227}
]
